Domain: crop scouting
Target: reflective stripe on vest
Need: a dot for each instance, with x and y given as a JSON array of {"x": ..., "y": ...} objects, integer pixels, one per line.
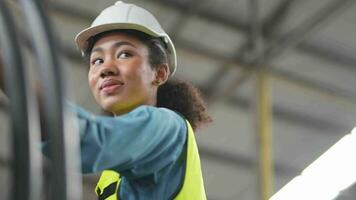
[
  {"x": 108, "y": 185},
  {"x": 191, "y": 189}
]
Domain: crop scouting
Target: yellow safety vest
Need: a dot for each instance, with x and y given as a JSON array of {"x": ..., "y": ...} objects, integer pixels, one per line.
[{"x": 192, "y": 188}]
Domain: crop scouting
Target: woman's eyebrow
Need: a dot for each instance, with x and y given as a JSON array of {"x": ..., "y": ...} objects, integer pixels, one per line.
[
  {"x": 118, "y": 44},
  {"x": 115, "y": 45}
]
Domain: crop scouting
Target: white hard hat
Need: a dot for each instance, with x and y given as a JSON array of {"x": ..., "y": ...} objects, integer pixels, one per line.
[{"x": 127, "y": 16}]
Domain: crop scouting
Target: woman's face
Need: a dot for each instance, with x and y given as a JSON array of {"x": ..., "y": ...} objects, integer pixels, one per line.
[{"x": 120, "y": 76}]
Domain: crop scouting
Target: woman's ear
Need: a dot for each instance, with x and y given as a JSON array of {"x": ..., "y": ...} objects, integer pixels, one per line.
[{"x": 161, "y": 74}]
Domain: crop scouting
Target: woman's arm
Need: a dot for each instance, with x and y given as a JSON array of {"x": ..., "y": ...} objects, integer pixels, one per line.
[{"x": 138, "y": 143}]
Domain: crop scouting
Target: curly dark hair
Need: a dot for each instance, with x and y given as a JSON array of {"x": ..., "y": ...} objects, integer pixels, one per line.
[
  {"x": 176, "y": 95},
  {"x": 185, "y": 99}
]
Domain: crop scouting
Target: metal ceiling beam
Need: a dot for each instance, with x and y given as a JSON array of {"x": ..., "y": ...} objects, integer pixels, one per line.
[
  {"x": 263, "y": 58},
  {"x": 255, "y": 32},
  {"x": 331, "y": 52},
  {"x": 211, "y": 85},
  {"x": 296, "y": 36},
  {"x": 193, "y": 9},
  {"x": 281, "y": 113},
  {"x": 323, "y": 88},
  {"x": 330, "y": 10},
  {"x": 277, "y": 16},
  {"x": 244, "y": 53},
  {"x": 301, "y": 32},
  {"x": 215, "y": 93},
  {"x": 205, "y": 15},
  {"x": 243, "y": 27},
  {"x": 324, "y": 52},
  {"x": 232, "y": 159}
]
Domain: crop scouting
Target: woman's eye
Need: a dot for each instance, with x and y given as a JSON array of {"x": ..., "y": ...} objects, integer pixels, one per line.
[
  {"x": 97, "y": 62},
  {"x": 124, "y": 54}
]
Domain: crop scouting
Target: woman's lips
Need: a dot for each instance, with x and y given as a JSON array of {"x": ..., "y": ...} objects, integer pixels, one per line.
[{"x": 110, "y": 86}]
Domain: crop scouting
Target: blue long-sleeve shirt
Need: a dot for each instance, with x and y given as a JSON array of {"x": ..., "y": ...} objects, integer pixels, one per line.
[{"x": 145, "y": 146}]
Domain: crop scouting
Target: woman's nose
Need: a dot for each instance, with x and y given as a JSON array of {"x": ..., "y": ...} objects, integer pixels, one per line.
[{"x": 109, "y": 69}]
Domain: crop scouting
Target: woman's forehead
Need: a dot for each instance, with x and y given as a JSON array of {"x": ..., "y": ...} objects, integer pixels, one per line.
[{"x": 117, "y": 38}]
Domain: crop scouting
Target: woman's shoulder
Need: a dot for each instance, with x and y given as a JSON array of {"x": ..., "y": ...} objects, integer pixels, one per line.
[
  {"x": 160, "y": 116},
  {"x": 159, "y": 111}
]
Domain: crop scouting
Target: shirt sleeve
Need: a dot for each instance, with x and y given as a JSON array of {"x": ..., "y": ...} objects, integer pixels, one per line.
[{"x": 137, "y": 144}]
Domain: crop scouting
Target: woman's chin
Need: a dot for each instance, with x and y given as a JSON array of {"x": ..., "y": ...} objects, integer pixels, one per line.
[
  {"x": 117, "y": 109},
  {"x": 110, "y": 102}
]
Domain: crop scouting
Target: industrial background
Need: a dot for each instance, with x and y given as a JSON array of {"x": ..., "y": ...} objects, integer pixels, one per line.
[{"x": 278, "y": 76}]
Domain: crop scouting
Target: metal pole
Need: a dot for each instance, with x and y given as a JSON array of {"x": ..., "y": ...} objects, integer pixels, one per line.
[
  {"x": 26, "y": 162},
  {"x": 262, "y": 105},
  {"x": 264, "y": 122},
  {"x": 64, "y": 170}
]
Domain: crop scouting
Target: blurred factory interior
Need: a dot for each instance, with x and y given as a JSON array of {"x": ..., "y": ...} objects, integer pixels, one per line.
[{"x": 278, "y": 76}]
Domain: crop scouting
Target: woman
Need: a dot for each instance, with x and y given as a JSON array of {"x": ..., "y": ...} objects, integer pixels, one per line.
[{"x": 147, "y": 150}]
